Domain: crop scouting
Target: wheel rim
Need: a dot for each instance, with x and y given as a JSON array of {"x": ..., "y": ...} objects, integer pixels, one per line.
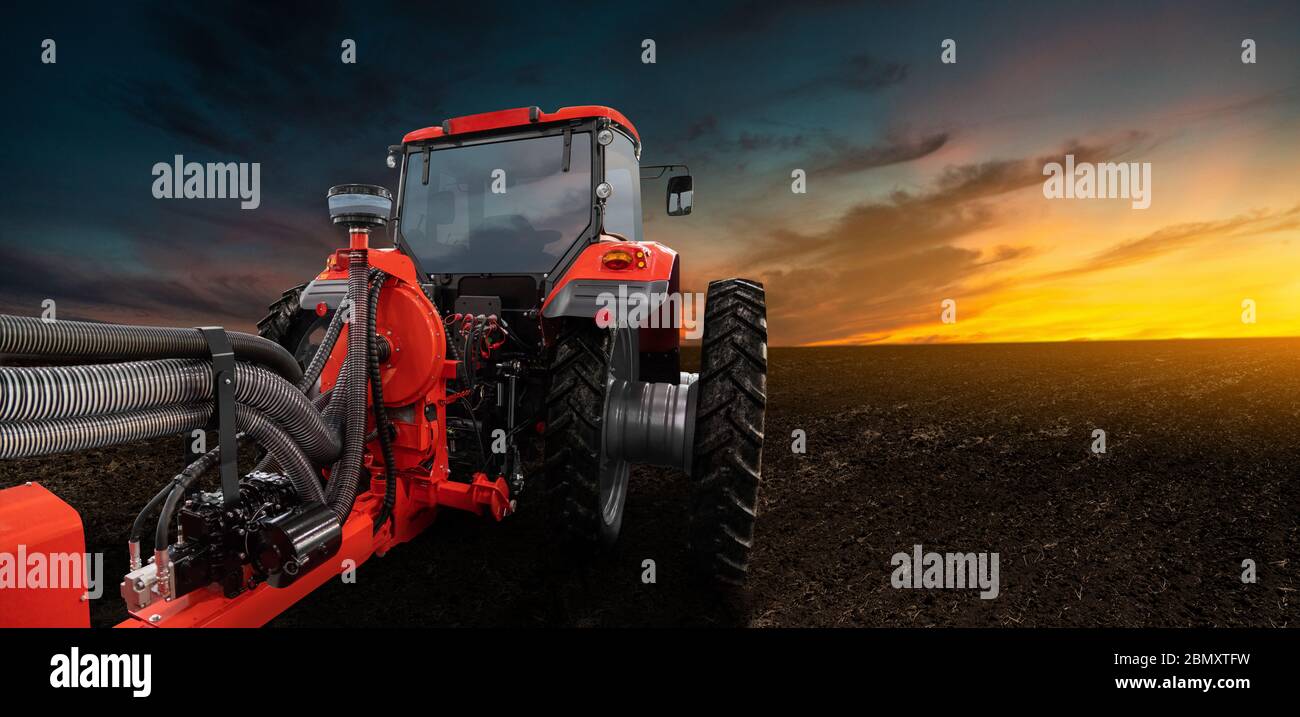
[{"x": 614, "y": 472}]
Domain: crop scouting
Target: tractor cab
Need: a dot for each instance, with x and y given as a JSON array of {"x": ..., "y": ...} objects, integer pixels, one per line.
[{"x": 521, "y": 192}]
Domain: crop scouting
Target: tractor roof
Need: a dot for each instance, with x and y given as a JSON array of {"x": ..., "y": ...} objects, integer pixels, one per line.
[{"x": 518, "y": 117}]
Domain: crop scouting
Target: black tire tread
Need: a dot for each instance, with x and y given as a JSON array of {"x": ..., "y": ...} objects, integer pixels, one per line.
[
  {"x": 575, "y": 406},
  {"x": 280, "y": 314},
  {"x": 728, "y": 452}
]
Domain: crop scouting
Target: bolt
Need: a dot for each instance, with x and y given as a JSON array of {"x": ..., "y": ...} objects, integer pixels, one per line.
[
  {"x": 155, "y": 618},
  {"x": 227, "y": 382},
  {"x": 85, "y": 597},
  {"x": 28, "y": 484}
]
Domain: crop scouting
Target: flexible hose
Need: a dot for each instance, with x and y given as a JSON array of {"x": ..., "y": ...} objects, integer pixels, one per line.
[
  {"x": 346, "y": 473},
  {"x": 47, "y": 392},
  {"x": 381, "y": 413},
  {"x": 137, "y": 527},
  {"x": 288, "y": 454},
  {"x": 176, "y": 492},
  {"x": 264, "y": 433},
  {"x": 325, "y": 349},
  {"x": 182, "y": 482},
  {"x": 268, "y": 464},
  {"x": 67, "y": 435},
  {"x": 25, "y": 335}
]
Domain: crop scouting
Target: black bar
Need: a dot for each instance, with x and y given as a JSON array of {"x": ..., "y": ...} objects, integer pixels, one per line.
[
  {"x": 568, "y": 147},
  {"x": 223, "y": 412},
  {"x": 984, "y": 670}
]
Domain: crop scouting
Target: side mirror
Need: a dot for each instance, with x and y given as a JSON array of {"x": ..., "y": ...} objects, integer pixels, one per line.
[{"x": 681, "y": 195}]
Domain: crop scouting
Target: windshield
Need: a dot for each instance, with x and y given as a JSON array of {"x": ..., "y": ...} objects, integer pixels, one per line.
[{"x": 501, "y": 208}]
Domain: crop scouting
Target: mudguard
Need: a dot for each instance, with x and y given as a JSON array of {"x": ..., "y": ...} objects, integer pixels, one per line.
[{"x": 588, "y": 286}]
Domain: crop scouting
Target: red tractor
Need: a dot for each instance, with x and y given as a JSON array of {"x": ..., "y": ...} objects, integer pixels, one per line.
[{"x": 518, "y": 346}]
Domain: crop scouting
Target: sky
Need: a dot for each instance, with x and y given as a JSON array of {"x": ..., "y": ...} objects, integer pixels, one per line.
[{"x": 924, "y": 179}]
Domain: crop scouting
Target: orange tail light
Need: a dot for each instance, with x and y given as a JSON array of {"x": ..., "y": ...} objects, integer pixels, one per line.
[{"x": 617, "y": 259}]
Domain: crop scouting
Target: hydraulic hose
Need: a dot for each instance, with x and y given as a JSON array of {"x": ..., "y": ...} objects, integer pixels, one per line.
[
  {"x": 137, "y": 527},
  {"x": 381, "y": 413},
  {"x": 346, "y": 473},
  {"x": 49, "y": 392},
  {"x": 24, "y": 335},
  {"x": 264, "y": 433}
]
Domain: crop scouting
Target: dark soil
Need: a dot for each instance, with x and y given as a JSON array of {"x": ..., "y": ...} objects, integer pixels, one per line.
[{"x": 960, "y": 448}]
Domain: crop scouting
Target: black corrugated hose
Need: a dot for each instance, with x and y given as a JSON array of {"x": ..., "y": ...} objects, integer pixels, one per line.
[
  {"x": 325, "y": 348},
  {"x": 30, "y": 394},
  {"x": 346, "y": 473},
  {"x": 30, "y": 336},
  {"x": 381, "y": 413}
]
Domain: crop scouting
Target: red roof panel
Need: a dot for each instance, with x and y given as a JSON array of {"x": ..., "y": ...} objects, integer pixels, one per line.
[{"x": 519, "y": 117}]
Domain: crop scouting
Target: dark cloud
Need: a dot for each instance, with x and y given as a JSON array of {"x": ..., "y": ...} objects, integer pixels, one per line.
[
  {"x": 225, "y": 293},
  {"x": 757, "y": 16},
  {"x": 858, "y": 73},
  {"x": 754, "y": 142},
  {"x": 701, "y": 127},
  {"x": 825, "y": 154},
  {"x": 240, "y": 80},
  {"x": 861, "y": 73},
  {"x": 894, "y": 150}
]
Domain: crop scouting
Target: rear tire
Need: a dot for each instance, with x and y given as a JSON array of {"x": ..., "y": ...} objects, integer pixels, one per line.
[
  {"x": 587, "y": 489},
  {"x": 728, "y": 454},
  {"x": 297, "y": 330}
]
